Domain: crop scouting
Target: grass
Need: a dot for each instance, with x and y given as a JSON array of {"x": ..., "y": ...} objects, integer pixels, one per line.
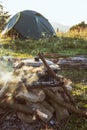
[{"x": 60, "y": 45}]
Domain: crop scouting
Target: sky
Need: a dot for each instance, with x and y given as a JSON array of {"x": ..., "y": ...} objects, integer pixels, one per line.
[{"x": 66, "y": 12}]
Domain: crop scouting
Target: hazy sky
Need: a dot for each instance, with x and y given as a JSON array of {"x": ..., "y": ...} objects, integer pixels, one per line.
[{"x": 67, "y": 12}]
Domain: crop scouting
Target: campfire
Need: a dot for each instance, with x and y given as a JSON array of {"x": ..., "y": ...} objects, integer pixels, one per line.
[{"x": 35, "y": 91}]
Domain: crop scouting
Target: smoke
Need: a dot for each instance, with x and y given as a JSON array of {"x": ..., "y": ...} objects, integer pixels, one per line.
[
  {"x": 5, "y": 76},
  {"x": 5, "y": 71}
]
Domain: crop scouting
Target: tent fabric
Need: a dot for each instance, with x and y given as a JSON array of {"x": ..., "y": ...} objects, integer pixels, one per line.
[{"x": 30, "y": 24}]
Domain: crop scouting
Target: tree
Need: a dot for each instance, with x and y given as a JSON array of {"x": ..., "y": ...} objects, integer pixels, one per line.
[
  {"x": 4, "y": 16},
  {"x": 79, "y": 26}
]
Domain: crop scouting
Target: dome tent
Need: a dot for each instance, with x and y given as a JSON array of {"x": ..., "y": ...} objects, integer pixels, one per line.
[{"x": 29, "y": 24}]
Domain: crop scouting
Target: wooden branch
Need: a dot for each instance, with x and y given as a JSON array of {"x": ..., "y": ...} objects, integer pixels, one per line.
[
  {"x": 31, "y": 96},
  {"x": 18, "y": 107},
  {"x": 48, "y": 106},
  {"x": 41, "y": 85},
  {"x": 52, "y": 74},
  {"x": 60, "y": 112},
  {"x": 43, "y": 113},
  {"x": 3, "y": 91},
  {"x": 26, "y": 118},
  {"x": 50, "y": 71},
  {"x": 70, "y": 107}
]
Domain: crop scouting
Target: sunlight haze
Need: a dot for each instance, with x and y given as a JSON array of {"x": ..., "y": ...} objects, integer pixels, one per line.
[{"x": 67, "y": 12}]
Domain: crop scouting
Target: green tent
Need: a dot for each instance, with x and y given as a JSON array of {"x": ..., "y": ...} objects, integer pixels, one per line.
[{"x": 29, "y": 24}]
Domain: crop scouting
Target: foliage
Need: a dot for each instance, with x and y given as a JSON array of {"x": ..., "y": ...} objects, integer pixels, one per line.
[
  {"x": 79, "y": 26},
  {"x": 4, "y": 16}
]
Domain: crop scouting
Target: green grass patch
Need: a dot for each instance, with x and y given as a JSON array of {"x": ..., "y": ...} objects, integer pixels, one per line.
[{"x": 60, "y": 45}]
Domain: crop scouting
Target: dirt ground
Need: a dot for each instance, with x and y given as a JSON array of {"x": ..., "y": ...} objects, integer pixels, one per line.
[{"x": 10, "y": 121}]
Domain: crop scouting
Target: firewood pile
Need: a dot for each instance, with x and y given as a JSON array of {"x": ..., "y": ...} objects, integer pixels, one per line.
[{"x": 36, "y": 92}]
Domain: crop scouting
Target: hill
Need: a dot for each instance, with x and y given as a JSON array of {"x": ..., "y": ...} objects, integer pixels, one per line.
[{"x": 61, "y": 27}]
